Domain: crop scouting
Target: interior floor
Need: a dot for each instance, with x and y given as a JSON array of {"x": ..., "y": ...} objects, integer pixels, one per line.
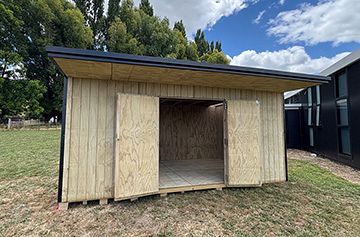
[{"x": 182, "y": 173}]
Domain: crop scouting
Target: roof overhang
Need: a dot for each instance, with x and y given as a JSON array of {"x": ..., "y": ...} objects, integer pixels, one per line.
[
  {"x": 342, "y": 63},
  {"x": 79, "y": 63}
]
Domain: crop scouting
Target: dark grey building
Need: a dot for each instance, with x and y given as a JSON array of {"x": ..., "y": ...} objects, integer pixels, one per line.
[{"x": 326, "y": 119}]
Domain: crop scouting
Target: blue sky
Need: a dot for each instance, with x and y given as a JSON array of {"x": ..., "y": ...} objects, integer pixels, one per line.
[
  {"x": 292, "y": 35},
  {"x": 239, "y": 32}
]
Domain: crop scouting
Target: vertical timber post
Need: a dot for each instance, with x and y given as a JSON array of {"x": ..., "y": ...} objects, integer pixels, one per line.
[
  {"x": 62, "y": 142},
  {"x": 285, "y": 142}
]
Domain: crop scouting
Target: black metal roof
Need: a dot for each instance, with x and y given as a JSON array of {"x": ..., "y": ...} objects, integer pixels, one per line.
[{"x": 99, "y": 56}]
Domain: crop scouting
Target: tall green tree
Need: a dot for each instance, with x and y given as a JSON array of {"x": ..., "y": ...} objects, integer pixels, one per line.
[
  {"x": 215, "y": 57},
  {"x": 180, "y": 45},
  {"x": 191, "y": 52},
  {"x": 93, "y": 11},
  {"x": 48, "y": 22},
  {"x": 84, "y": 7},
  {"x": 26, "y": 27},
  {"x": 201, "y": 42},
  {"x": 156, "y": 36},
  {"x": 122, "y": 42},
  {"x": 12, "y": 42},
  {"x": 129, "y": 16},
  {"x": 146, "y": 7},
  {"x": 179, "y": 25},
  {"x": 211, "y": 46},
  {"x": 97, "y": 23},
  {"x": 113, "y": 10},
  {"x": 20, "y": 98},
  {"x": 10, "y": 64},
  {"x": 218, "y": 46}
]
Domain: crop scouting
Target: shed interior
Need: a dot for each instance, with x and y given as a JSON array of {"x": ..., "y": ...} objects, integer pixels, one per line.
[{"x": 191, "y": 142}]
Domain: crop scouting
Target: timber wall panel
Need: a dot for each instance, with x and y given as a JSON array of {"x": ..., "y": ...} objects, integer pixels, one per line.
[
  {"x": 74, "y": 140},
  {"x": 137, "y": 145},
  {"x": 190, "y": 132},
  {"x": 244, "y": 160},
  {"x": 101, "y": 141},
  {"x": 85, "y": 131},
  {"x": 92, "y": 142}
]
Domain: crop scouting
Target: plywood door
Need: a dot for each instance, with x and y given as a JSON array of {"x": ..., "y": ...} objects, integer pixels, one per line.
[
  {"x": 137, "y": 146},
  {"x": 244, "y": 143}
]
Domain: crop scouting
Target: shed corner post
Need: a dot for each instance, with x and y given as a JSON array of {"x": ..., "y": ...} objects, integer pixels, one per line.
[
  {"x": 285, "y": 141},
  {"x": 62, "y": 141}
]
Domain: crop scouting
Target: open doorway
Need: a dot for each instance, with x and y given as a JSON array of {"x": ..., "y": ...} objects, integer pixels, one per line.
[{"x": 191, "y": 142}]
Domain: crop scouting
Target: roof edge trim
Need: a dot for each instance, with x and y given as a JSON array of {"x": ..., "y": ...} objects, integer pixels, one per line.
[{"x": 99, "y": 56}]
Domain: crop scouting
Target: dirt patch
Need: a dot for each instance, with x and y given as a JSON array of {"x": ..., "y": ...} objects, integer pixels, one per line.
[{"x": 338, "y": 169}]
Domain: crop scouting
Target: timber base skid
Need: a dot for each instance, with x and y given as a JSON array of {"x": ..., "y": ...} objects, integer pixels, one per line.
[{"x": 162, "y": 193}]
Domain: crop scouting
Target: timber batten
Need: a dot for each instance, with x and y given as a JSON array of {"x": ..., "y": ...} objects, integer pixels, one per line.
[{"x": 113, "y": 148}]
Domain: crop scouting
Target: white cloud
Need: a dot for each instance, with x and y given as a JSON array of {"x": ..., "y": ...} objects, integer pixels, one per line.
[
  {"x": 334, "y": 21},
  {"x": 293, "y": 59},
  {"x": 197, "y": 14},
  {"x": 281, "y": 2},
  {"x": 259, "y": 17}
]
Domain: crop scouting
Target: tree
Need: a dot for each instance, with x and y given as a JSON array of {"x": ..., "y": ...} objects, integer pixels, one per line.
[
  {"x": 211, "y": 46},
  {"x": 10, "y": 64},
  {"x": 113, "y": 10},
  {"x": 84, "y": 7},
  {"x": 180, "y": 27},
  {"x": 215, "y": 57},
  {"x": 129, "y": 16},
  {"x": 180, "y": 46},
  {"x": 155, "y": 35},
  {"x": 11, "y": 43},
  {"x": 218, "y": 46},
  {"x": 26, "y": 27},
  {"x": 120, "y": 41},
  {"x": 97, "y": 23},
  {"x": 202, "y": 44},
  {"x": 48, "y": 22},
  {"x": 20, "y": 98},
  {"x": 93, "y": 11},
  {"x": 191, "y": 52},
  {"x": 146, "y": 7}
]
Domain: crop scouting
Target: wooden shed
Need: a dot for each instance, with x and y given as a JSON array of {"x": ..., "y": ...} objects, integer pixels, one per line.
[{"x": 136, "y": 125}]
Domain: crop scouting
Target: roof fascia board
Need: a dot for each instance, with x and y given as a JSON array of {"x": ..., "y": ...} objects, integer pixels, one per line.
[{"x": 98, "y": 56}]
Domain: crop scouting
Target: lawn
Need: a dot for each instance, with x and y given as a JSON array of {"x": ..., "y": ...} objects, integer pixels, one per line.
[{"x": 313, "y": 203}]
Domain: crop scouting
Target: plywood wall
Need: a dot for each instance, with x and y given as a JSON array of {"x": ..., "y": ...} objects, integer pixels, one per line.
[
  {"x": 90, "y": 131},
  {"x": 244, "y": 143},
  {"x": 190, "y": 132},
  {"x": 137, "y": 145}
]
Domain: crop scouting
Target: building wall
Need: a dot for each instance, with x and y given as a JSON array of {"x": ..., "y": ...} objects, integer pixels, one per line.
[
  {"x": 354, "y": 112},
  {"x": 90, "y": 131},
  {"x": 326, "y": 135}
]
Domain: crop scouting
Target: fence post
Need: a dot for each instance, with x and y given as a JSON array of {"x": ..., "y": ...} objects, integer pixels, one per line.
[{"x": 9, "y": 123}]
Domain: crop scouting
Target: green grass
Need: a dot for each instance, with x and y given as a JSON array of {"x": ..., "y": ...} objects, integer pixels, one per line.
[
  {"x": 313, "y": 203},
  {"x": 26, "y": 153}
]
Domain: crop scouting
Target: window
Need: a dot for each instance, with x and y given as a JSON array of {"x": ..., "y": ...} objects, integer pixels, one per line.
[
  {"x": 341, "y": 85},
  {"x": 342, "y": 114},
  {"x": 313, "y": 111},
  {"x": 311, "y": 136},
  {"x": 310, "y": 116},
  {"x": 318, "y": 102},
  {"x": 309, "y": 95}
]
